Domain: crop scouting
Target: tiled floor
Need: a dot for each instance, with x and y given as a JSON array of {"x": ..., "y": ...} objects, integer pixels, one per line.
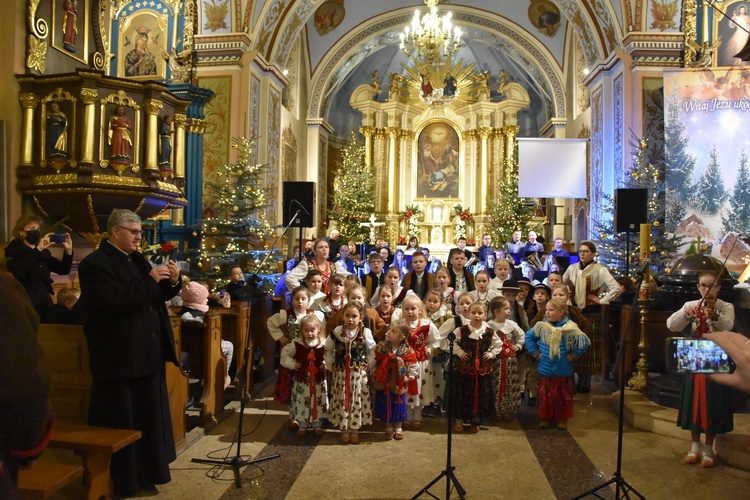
[{"x": 504, "y": 460}]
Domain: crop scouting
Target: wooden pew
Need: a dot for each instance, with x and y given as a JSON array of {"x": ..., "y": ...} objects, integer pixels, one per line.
[
  {"x": 235, "y": 321},
  {"x": 45, "y": 478},
  {"x": 202, "y": 341},
  {"x": 96, "y": 446},
  {"x": 66, "y": 355}
]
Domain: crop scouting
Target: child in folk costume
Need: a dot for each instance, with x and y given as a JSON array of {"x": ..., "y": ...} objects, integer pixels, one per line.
[
  {"x": 391, "y": 281},
  {"x": 555, "y": 344},
  {"x": 396, "y": 367},
  {"x": 331, "y": 304},
  {"x": 385, "y": 308},
  {"x": 438, "y": 314},
  {"x": 423, "y": 337},
  {"x": 705, "y": 406},
  {"x": 461, "y": 278},
  {"x": 442, "y": 283},
  {"x": 508, "y": 385},
  {"x": 314, "y": 282},
  {"x": 502, "y": 271},
  {"x": 483, "y": 293},
  {"x": 475, "y": 348},
  {"x": 284, "y": 328},
  {"x": 371, "y": 320},
  {"x": 305, "y": 358},
  {"x": 350, "y": 354}
]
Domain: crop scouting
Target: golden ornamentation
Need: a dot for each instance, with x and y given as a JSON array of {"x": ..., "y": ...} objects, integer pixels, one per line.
[
  {"x": 92, "y": 213},
  {"x": 37, "y": 26},
  {"x": 121, "y": 99},
  {"x": 689, "y": 17},
  {"x": 116, "y": 180},
  {"x": 37, "y": 53},
  {"x": 152, "y": 106},
  {"x": 664, "y": 13},
  {"x": 89, "y": 96},
  {"x": 39, "y": 207},
  {"x": 28, "y": 100},
  {"x": 94, "y": 238},
  {"x": 140, "y": 205}
]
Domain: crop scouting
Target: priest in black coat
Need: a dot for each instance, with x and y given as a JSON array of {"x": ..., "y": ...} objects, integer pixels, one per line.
[{"x": 129, "y": 337}]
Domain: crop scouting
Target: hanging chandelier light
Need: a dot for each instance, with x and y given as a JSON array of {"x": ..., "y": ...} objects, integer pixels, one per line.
[{"x": 431, "y": 36}]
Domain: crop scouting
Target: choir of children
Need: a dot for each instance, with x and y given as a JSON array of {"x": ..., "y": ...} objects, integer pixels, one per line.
[{"x": 337, "y": 349}]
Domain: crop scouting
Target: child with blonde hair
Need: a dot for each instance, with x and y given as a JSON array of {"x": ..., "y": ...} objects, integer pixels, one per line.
[
  {"x": 284, "y": 328},
  {"x": 502, "y": 271},
  {"x": 423, "y": 337},
  {"x": 350, "y": 355},
  {"x": 385, "y": 308},
  {"x": 555, "y": 344},
  {"x": 305, "y": 358},
  {"x": 396, "y": 367},
  {"x": 438, "y": 314},
  {"x": 442, "y": 283}
]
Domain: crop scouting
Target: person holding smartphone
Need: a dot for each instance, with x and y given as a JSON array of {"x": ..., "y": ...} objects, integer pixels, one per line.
[
  {"x": 737, "y": 347},
  {"x": 705, "y": 406},
  {"x": 30, "y": 261}
]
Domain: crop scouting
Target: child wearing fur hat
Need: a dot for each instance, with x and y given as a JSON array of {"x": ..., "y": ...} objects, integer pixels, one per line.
[{"x": 194, "y": 307}]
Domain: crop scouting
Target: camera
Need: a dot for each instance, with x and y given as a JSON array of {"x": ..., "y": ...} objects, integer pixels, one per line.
[
  {"x": 687, "y": 355},
  {"x": 57, "y": 238}
]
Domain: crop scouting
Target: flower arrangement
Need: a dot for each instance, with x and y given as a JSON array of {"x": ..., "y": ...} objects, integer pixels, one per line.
[
  {"x": 411, "y": 216},
  {"x": 462, "y": 216},
  {"x": 160, "y": 252}
]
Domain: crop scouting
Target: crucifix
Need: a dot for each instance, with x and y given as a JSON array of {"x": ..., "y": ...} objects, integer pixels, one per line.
[{"x": 372, "y": 225}]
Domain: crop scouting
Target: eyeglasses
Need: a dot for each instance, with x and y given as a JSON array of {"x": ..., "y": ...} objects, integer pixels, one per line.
[
  {"x": 133, "y": 232},
  {"x": 705, "y": 286}
]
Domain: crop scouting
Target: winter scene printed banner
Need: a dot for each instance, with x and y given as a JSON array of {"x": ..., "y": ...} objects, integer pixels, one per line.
[{"x": 707, "y": 135}]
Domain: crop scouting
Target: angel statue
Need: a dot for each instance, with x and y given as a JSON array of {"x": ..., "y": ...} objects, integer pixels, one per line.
[
  {"x": 179, "y": 64},
  {"x": 703, "y": 54},
  {"x": 394, "y": 90},
  {"x": 376, "y": 84},
  {"x": 483, "y": 86}
]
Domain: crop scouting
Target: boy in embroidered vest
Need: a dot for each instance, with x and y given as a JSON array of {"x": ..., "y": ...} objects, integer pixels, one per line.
[
  {"x": 419, "y": 280},
  {"x": 461, "y": 279},
  {"x": 372, "y": 280}
]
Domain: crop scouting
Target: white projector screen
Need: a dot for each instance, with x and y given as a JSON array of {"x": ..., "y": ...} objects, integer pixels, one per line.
[{"x": 551, "y": 168}]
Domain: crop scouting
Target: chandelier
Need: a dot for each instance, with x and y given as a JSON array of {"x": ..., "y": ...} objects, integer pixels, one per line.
[{"x": 431, "y": 37}]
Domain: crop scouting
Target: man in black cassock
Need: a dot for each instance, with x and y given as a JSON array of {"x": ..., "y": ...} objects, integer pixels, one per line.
[{"x": 129, "y": 336}]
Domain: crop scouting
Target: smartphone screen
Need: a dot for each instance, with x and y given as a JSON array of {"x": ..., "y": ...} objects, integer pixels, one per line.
[{"x": 686, "y": 355}]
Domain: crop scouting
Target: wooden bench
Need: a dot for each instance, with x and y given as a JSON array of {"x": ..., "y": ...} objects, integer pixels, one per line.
[
  {"x": 235, "y": 322},
  {"x": 96, "y": 445},
  {"x": 45, "y": 478},
  {"x": 203, "y": 343},
  {"x": 66, "y": 355}
]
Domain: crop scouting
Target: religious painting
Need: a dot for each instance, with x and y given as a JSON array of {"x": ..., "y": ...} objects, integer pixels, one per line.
[
  {"x": 328, "y": 16},
  {"x": 707, "y": 162},
  {"x": 437, "y": 161},
  {"x": 545, "y": 16},
  {"x": 216, "y": 17},
  {"x": 733, "y": 30},
  {"x": 70, "y": 28},
  {"x": 142, "y": 43}
]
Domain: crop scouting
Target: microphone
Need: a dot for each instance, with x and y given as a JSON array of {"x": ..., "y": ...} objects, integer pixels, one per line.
[
  {"x": 645, "y": 263},
  {"x": 301, "y": 207}
]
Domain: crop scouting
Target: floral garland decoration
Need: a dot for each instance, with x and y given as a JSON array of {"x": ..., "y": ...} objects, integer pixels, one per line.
[
  {"x": 411, "y": 216},
  {"x": 462, "y": 216}
]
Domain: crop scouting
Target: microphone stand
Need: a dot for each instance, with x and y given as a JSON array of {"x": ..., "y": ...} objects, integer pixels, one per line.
[
  {"x": 620, "y": 484},
  {"x": 448, "y": 472},
  {"x": 237, "y": 462}
]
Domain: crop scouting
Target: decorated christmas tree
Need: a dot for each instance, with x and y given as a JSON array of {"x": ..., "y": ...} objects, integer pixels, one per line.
[
  {"x": 709, "y": 190},
  {"x": 612, "y": 246},
  {"x": 509, "y": 213},
  {"x": 737, "y": 218},
  {"x": 236, "y": 234},
  {"x": 679, "y": 163},
  {"x": 353, "y": 193}
]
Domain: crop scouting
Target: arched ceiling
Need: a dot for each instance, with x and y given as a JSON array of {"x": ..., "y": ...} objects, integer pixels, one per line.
[{"x": 499, "y": 34}]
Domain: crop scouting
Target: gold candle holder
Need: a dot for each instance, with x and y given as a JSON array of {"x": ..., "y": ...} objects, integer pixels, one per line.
[{"x": 638, "y": 381}]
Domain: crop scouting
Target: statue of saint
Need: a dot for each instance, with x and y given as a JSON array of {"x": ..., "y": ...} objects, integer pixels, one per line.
[
  {"x": 165, "y": 144},
  {"x": 70, "y": 26},
  {"x": 57, "y": 133},
  {"x": 450, "y": 84},
  {"x": 426, "y": 85},
  {"x": 120, "y": 141}
]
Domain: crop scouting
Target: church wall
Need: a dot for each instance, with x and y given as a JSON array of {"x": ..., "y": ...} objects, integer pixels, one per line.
[{"x": 11, "y": 62}]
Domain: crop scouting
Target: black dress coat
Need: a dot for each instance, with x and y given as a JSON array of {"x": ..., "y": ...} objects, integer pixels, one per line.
[
  {"x": 129, "y": 336},
  {"x": 31, "y": 267}
]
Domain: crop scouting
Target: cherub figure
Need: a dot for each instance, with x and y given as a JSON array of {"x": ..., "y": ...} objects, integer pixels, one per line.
[
  {"x": 394, "y": 91},
  {"x": 503, "y": 82},
  {"x": 376, "y": 83},
  {"x": 703, "y": 54},
  {"x": 483, "y": 89}
]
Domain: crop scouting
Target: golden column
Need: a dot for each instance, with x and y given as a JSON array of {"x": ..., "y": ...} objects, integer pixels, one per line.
[
  {"x": 509, "y": 151},
  {"x": 380, "y": 169},
  {"x": 180, "y": 121},
  {"x": 88, "y": 97},
  {"x": 484, "y": 170},
  {"x": 367, "y": 133},
  {"x": 152, "y": 107},
  {"x": 393, "y": 170},
  {"x": 29, "y": 102},
  {"x": 639, "y": 380}
]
